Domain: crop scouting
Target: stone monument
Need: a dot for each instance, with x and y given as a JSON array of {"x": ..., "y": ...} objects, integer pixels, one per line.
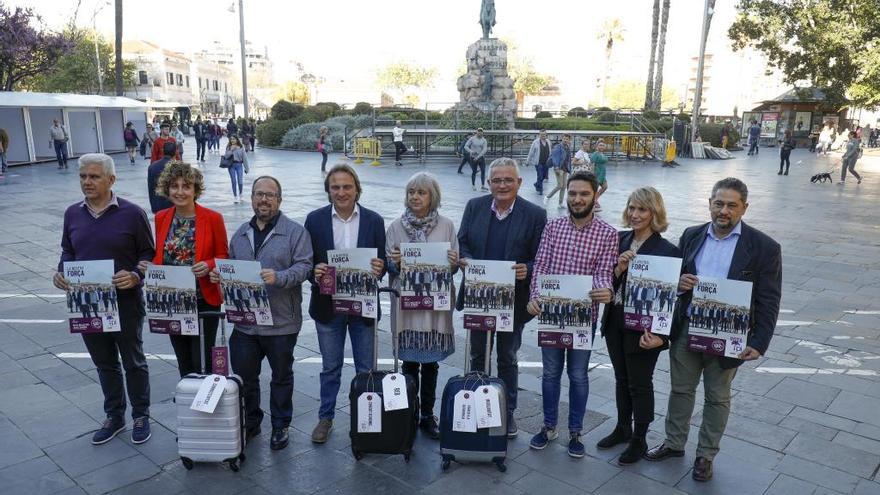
[{"x": 486, "y": 87}]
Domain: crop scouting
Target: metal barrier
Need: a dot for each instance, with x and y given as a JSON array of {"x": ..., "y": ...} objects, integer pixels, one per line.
[{"x": 366, "y": 147}]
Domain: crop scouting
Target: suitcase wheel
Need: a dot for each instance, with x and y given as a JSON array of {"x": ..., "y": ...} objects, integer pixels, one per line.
[
  {"x": 406, "y": 457},
  {"x": 501, "y": 466},
  {"x": 358, "y": 455},
  {"x": 187, "y": 463},
  {"x": 234, "y": 465},
  {"x": 241, "y": 457},
  {"x": 445, "y": 464}
]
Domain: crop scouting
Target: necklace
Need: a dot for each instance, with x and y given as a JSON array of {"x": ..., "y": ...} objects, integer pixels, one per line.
[{"x": 636, "y": 244}]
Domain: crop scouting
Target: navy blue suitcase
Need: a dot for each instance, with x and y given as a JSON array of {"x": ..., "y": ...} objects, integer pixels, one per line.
[
  {"x": 398, "y": 427},
  {"x": 487, "y": 444}
]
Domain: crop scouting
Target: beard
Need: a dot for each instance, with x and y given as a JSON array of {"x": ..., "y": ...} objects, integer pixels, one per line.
[{"x": 578, "y": 215}]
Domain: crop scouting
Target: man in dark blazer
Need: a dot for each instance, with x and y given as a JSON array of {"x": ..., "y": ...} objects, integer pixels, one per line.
[
  {"x": 343, "y": 224},
  {"x": 503, "y": 226},
  {"x": 724, "y": 248}
]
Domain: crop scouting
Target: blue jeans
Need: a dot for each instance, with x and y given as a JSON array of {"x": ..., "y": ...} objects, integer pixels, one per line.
[
  {"x": 247, "y": 353},
  {"x": 753, "y": 146},
  {"x": 540, "y": 174},
  {"x": 578, "y": 385},
  {"x": 236, "y": 175},
  {"x": 331, "y": 341},
  {"x": 508, "y": 344},
  {"x": 61, "y": 153}
]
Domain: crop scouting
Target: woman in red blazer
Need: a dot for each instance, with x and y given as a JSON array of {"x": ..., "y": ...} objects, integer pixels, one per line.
[{"x": 188, "y": 234}]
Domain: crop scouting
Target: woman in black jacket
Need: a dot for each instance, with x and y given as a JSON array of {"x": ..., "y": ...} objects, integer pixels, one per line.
[{"x": 634, "y": 353}]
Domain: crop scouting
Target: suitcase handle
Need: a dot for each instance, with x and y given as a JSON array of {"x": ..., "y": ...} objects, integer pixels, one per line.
[
  {"x": 222, "y": 316},
  {"x": 395, "y": 297}
]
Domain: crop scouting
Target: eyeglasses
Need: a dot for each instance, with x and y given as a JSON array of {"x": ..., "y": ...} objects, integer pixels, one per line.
[
  {"x": 266, "y": 195},
  {"x": 507, "y": 181}
]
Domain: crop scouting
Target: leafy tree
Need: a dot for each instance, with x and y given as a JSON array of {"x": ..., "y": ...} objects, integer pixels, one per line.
[
  {"x": 652, "y": 59},
  {"x": 630, "y": 94},
  {"x": 405, "y": 79},
  {"x": 26, "y": 47},
  {"x": 657, "y": 97},
  {"x": 526, "y": 79},
  {"x": 76, "y": 72},
  {"x": 612, "y": 30},
  {"x": 362, "y": 108},
  {"x": 294, "y": 91},
  {"x": 832, "y": 44},
  {"x": 285, "y": 110}
]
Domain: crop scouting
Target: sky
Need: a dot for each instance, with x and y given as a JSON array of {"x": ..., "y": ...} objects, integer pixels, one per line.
[{"x": 349, "y": 40}]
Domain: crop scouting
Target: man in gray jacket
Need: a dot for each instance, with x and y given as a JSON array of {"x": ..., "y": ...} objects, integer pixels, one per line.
[
  {"x": 476, "y": 148},
  {"x": 284, "y": 249}
]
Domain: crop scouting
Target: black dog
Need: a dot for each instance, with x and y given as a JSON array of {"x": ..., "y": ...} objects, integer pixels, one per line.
[{"x": 821, "y": 178}]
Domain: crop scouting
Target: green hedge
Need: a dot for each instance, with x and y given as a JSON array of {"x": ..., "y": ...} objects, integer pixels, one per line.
[
  {"x": 712, "y": 134},
  {"x": 568, "y": 124},
  {"x": 270, "y": 132}
]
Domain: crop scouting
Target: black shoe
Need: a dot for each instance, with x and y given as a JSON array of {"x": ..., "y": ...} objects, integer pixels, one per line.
[
  {"x": 616, "y": 437},
  {"x": 662, "y": 452},
  {"x": 429, "y": 425},
  {"x": 250, "y": 433},
  {"x": 780, "y": 172},
  {"x": 279, "y": 438},
  {"x": 786, "y": 172},
  {"x": 702, "y": 469},
  {"x": 634, "y": 451}
]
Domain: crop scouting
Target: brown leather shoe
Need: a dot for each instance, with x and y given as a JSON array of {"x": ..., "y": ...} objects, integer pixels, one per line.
[
  {"x": 322, "y": 431},
  {"x": 702, "y": 469},
  {"x": 662, "y": 452}
]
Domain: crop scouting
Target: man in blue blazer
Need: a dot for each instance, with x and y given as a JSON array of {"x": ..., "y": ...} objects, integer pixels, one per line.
[
  {"x": 724, "y": 248},
  {"x": 343, "y": 224},
  {"x": 503, "y": 226}
]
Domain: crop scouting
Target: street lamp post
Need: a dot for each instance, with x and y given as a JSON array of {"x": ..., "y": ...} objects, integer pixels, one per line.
[
  {"x": 95, "y": 13},
  {"x": 244, "y": 90},
  {"x": 698, "y": 90}
]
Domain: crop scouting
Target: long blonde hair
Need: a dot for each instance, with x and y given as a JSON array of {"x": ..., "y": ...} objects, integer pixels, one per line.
[{"x": 651, "y": 199}]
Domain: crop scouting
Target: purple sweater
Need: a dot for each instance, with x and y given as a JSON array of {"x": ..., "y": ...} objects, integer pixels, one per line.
[{"x": 121, "y": 234}]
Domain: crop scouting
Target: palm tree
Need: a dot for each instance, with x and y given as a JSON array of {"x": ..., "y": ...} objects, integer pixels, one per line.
[
  {"x": 118, "y": 47},
  {"x": 658, "y": 82},
  {"x": 649, "y": 87},
  {"x": 611, "y": 31}
]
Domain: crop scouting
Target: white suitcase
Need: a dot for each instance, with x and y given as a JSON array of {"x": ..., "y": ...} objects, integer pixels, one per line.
[{"x": 215, "y": 437}]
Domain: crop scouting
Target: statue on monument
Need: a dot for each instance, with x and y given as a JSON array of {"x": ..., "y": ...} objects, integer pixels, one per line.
[
  {"x": 487, "y": 17},
  {"x": 488, "y": 79}
]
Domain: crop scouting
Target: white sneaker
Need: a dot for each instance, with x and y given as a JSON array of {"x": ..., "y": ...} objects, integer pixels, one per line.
[{"x": 546, "y": 200}]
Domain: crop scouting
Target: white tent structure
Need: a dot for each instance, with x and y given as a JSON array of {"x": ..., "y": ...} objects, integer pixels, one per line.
[{"x": 95, "y": 123}]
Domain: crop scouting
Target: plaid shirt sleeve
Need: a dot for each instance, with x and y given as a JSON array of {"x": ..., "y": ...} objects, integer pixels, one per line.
[
  {"x": 542, "y": 259},
  {"x": 603, "y": 271}
]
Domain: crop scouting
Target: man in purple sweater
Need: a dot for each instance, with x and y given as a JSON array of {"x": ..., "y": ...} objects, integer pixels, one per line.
[{"x": 105, "y": 226}]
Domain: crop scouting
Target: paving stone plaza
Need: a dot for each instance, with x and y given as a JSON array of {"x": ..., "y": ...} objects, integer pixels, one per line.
[{"x": 805, "y": 418}]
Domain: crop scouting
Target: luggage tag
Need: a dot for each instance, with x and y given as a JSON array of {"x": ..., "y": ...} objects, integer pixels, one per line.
[
  {"x": 369, "y": 418},
  {"x": 394, "y": 392},
  {"x": 487, "y": 407},
  {"x": 464, "y": 419},
  {"x": 209, "y": 394}
]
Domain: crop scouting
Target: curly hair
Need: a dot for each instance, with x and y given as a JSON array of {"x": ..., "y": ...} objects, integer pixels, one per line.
[{"x": 176, "y": 169}]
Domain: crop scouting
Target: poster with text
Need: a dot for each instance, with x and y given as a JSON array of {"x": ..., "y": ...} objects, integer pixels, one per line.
[
  {"x": 171, "y": 300},
  {"x": 245, "y": 296},
  {"x": 719, "y": 316},
  {"x": 356, "y": 286},
  {"x": 425, "y": 276},
  {"x": 91, "y": 299},
  {"x": 489, "y": 295},
  {"x": 650, "y": 293},
  {"x": 566, "y": 319}
]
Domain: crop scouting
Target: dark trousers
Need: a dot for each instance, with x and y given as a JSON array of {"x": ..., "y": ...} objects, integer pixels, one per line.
[
  {"x": 427, "y": 389},
  {"x": 464, "y": 159},
  {"x": 323, "y": 161},
  {"x": 399, "y": 150},
  {"x": 61, "y": 153},
  {"x": 785, "y": 159},
  {"x": 186, "y": 347},
  {"x": 107, "y": 348},
  {"x": 753, "y": 146},
  {"x": 481, "y": 164},
  {"x": 247, "y": 353},
  {"x": 200, "y": 149},
  {"x": 633, "y": 375},
  {"x": 508, "y": 344}
]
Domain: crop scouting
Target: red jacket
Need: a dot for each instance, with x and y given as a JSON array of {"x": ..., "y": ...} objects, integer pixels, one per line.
[
  {"x": 210, "y": 243},
  {"x": 158, "y": 144}
]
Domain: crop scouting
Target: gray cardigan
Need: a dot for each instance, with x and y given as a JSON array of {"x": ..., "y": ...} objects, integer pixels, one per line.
[{"x": 288, "y": 251}]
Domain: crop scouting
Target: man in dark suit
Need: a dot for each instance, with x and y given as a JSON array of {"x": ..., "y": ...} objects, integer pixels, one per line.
[
  {"x": 724, "y": 248},
  {"x": 159, "y": 203},
  {"x": 343, "y": 224},
  {"x": 503, "y": 226}
]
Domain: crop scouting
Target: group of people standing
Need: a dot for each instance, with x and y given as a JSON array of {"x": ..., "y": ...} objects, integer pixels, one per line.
[{"x": 498, "y": 226}]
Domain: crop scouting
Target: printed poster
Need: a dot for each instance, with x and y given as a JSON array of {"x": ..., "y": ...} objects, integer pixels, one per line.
[
  {"x": 91, "y": 300},
  {"x": 719, "y": 316},
  {"x": 650, "y": 293},
  {"x": 489, "y": 295},
  {"x": 425, "y": 276},
  {"x": 356, "y": 286},
  {"x": 245, "y": 296},
  {"x": 171, "y": 301},
  {"x": 566, "y": 319}
]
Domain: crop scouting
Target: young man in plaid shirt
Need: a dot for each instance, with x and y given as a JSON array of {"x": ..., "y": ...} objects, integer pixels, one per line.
[{"x": 577, "y": 244}]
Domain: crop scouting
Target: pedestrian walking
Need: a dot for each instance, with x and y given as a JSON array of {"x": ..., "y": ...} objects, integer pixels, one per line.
[
  {"x": 4, "y": 147},
  {"x": 324, "y": 146},
  {"x": 850, "y": 157},
  {"x": 785, "y": 146},
  {"x": 58, "y": 138},
  {"x": 462, "y": 150},
  {"x": 129, "y": 135},
  {"x": 754, "y": 137},
  {"x": 235, "y": 152},
  {"x": 179, "y": 139},
  {"x": 200, "y": 130},
  {"x": 560, "y": 161},
  {"x": 146, "y": 147},
  {"x": 399, "y": 148},
  {"x": 476, "y": 148},
  {"x": 539, "y": 154}
]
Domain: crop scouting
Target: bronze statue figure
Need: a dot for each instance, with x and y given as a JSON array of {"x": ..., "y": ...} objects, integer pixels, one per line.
[{"x": 487, "y": 17}]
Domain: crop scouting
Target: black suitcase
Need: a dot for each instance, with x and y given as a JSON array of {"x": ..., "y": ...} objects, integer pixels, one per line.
[{"x": 398, "y": 428}]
